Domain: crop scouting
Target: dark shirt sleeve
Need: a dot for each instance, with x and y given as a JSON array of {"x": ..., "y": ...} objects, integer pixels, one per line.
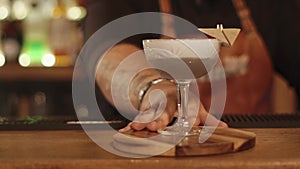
[{"x": 102, "y": 12}]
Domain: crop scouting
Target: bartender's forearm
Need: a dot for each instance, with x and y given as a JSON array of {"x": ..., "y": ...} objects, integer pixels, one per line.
[{"x": 108, "y": 65}]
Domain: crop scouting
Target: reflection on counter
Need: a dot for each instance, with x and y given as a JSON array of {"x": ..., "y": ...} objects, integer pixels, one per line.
[{"x": 40, "y": 99}]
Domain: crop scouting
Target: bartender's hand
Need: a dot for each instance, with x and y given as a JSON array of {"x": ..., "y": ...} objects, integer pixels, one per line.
[{"x": 157, "y": 114}]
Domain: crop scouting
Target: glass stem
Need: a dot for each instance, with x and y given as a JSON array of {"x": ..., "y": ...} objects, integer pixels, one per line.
[{"x": 183, "y": 96}]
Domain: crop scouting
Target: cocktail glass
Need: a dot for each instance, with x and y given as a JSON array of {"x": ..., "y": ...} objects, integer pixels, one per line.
[{"x": 183, "y": 60}]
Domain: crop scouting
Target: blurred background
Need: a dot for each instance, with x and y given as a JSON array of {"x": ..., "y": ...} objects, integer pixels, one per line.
[{"x": 40, "y": 40}]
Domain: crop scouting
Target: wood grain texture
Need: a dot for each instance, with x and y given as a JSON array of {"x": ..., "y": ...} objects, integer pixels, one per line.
[
  {"x": 222, "y": 140},
  {"x": 275, "y": 148}
]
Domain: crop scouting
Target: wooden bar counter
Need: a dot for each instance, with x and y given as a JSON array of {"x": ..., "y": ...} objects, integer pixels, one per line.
[{"x": 66, "y": 149}]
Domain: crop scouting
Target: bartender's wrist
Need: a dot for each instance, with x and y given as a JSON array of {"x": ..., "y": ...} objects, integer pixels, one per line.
[
  {"x": 145, "y": 81},
  {"x": 138, "y": 83},
  {"x": 165, "y": 85},
  {"x": 160, "y": 83}
]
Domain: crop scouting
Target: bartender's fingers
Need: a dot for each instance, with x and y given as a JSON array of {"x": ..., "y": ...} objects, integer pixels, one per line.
[
  {"x": 142, "y": 120},
  {"x": 152, "y": 126},
  {"x": 133, "y": 126},
  {"x": 127, "y": 128},
  {"x": 159, "y": 123},
  {"x": 166, "y": 117},
  {"x": 159, "y": 113}
]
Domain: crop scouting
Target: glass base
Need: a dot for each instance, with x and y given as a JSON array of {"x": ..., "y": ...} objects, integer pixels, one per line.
[{"x": 178, "y": 130}]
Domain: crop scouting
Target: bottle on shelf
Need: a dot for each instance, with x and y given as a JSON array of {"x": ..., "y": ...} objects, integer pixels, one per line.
[
  {"x": 4, "y": 14},
  {"x": 65, "y": 36},
  {"x": 2, "y": 57},
  {"x": 11, "y": 40},
  {"x": 36, "y": 50},
  {"x": 12, "y": 12}
]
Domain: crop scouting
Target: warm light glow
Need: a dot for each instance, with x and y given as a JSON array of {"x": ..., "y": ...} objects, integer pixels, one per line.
[
  {"x": 48, "y": 7},
  {"x": 76, "y": 13},
  {"x": 83, "y": 111},
  {"x": 19, "y": 10},
  {"x": 24, "y": 60},
  {"x": 48, "y": 60},
  {"x": 40, "y": 98},
  {"x": 2, "y": 59},
  {"x": 3, "y": 13}
]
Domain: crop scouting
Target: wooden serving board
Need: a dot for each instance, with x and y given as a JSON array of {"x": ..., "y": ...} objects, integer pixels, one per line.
[{"x": 222, "y": 140}]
